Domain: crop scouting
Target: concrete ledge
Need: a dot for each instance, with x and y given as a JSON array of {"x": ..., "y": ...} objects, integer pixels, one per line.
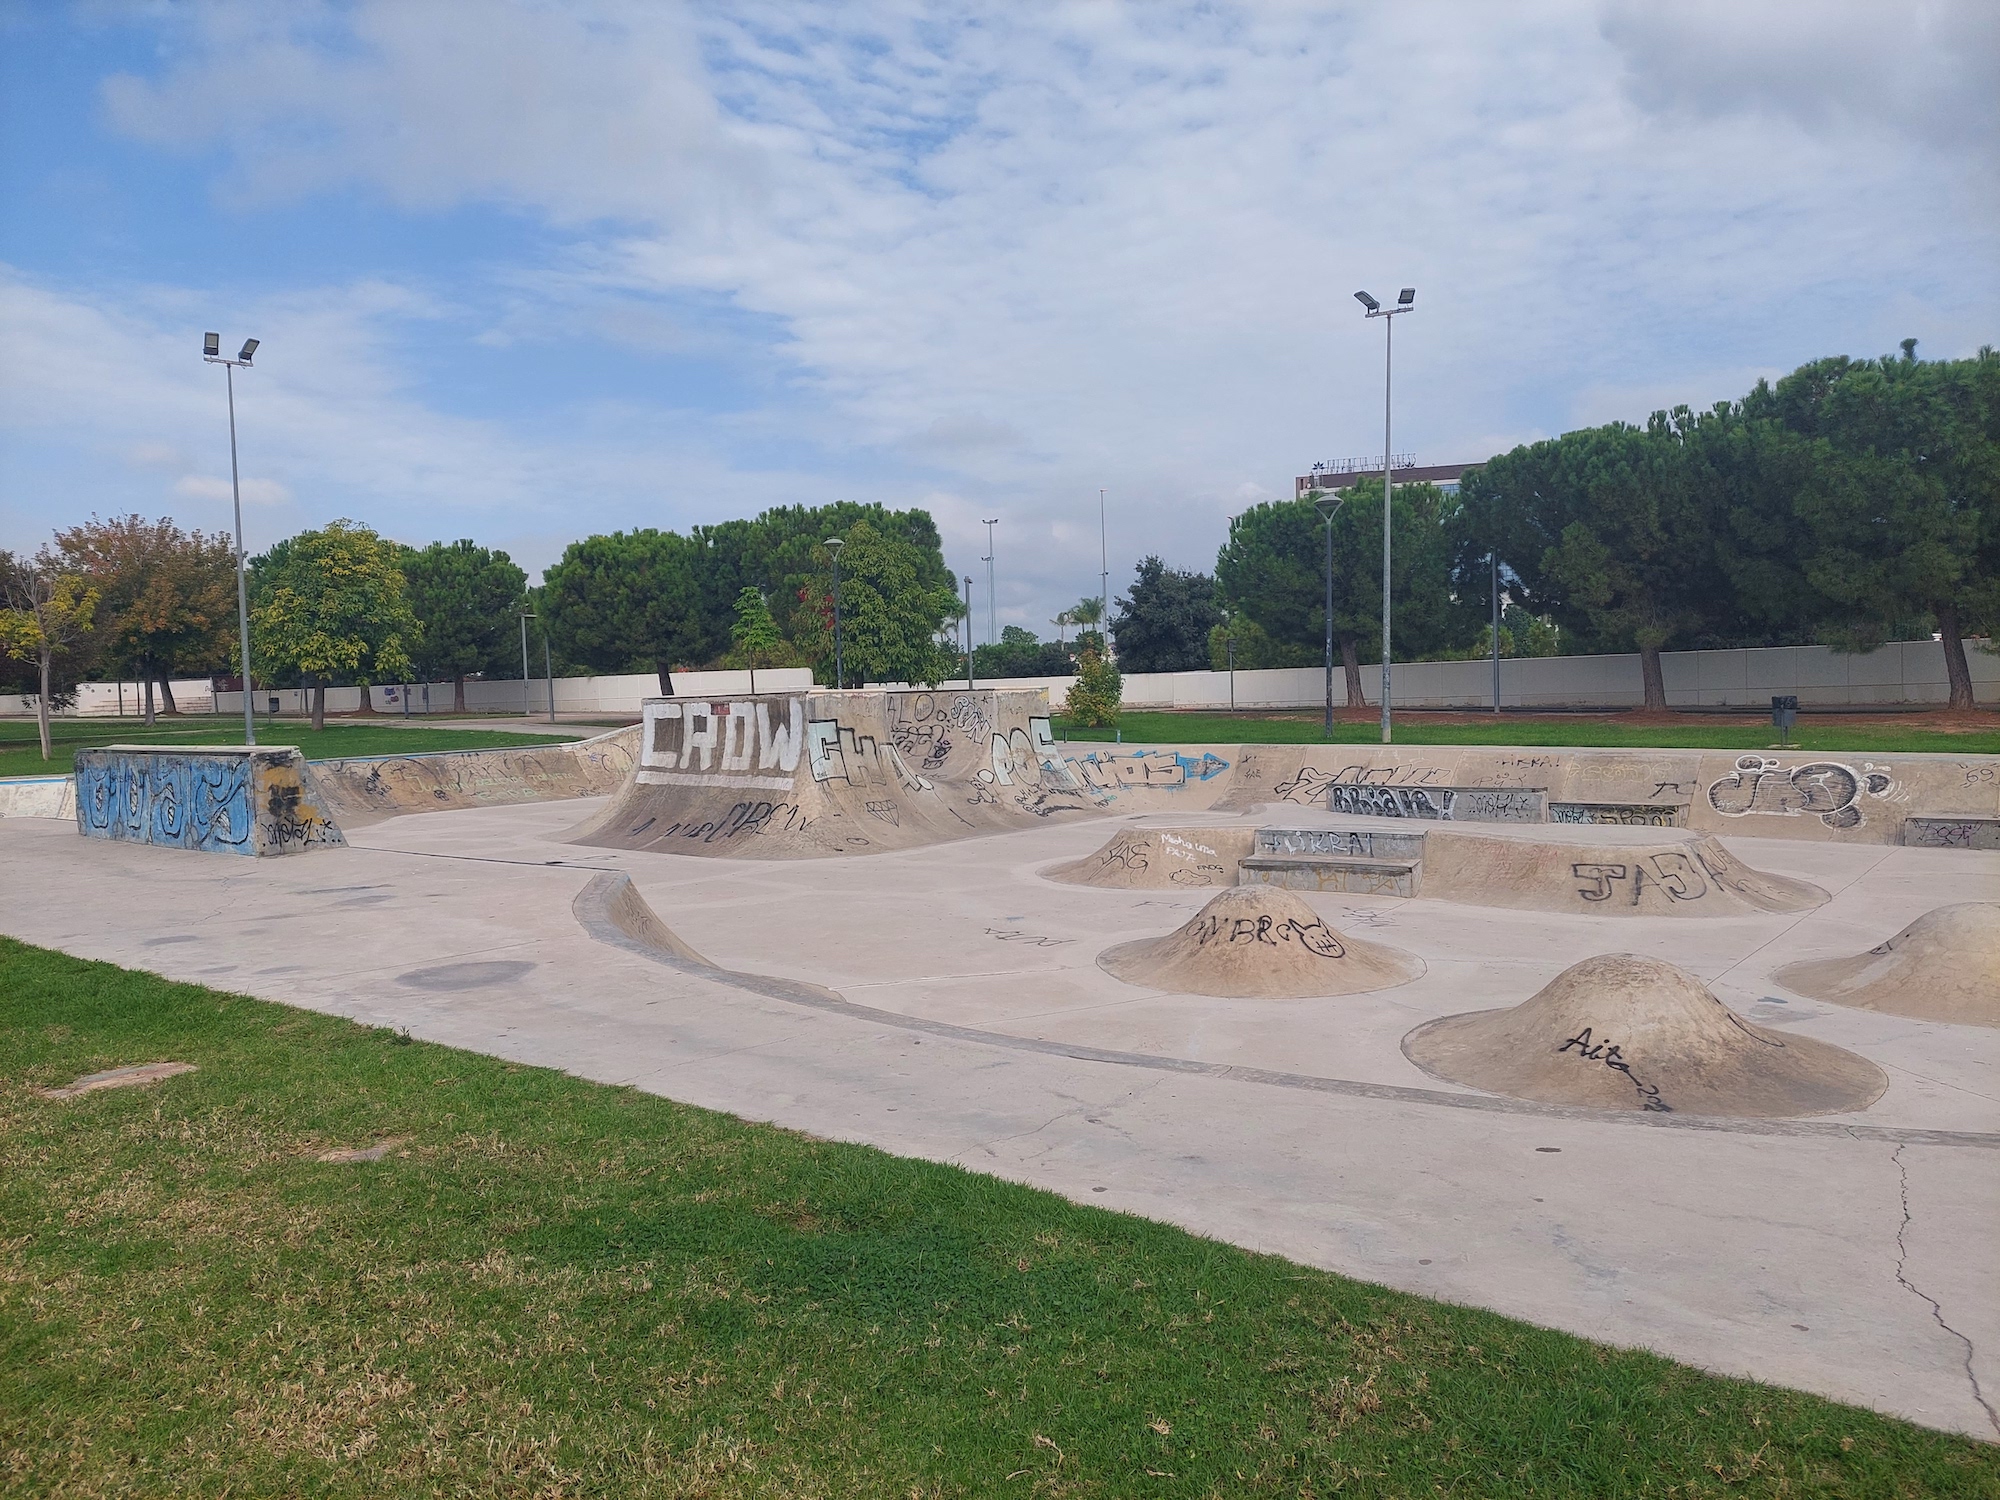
[
  {"x": 1442, "y": 804},
  {"x": 1969, "y": 832}
]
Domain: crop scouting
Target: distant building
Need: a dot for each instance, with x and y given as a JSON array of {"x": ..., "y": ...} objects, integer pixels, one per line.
[{"x": 1352, "y": 471}]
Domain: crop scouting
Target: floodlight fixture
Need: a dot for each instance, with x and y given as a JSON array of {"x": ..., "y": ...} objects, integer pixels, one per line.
[
  {"x": 1366, "y": 301},
  {"x": 211, "y": 344},
  {"x": 249, "y": 349},
  {"x": 1405, "y": 297},
  {"x": 834, "y": 544}
]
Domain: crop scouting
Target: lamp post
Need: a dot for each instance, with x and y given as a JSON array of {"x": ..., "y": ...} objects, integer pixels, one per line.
[
  {"x": 833, "y": 545},
  {"x": 992, "y": 608},
  {"x": 1103, "y": 562},
  {"x": 527, "y": 707},
  {"x": 1326, "y": 505},
  {"x": 968, "y": 632},
  {"x": 1404, "y": 300},
  {"x": 1494, "y": 559},
  {"x": 211, "y": 351}
]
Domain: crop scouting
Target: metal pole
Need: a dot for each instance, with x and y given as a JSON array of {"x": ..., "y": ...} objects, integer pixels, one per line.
[
  {"x": 1103, "y": 563},
  {"x": 992, "y": 605},
  {"x": 242, "y": 588},
  {"x": 548, "y": 671},
  {"x": 968, "y": 632},
  {"x": 839, "y": 671},
  {"x": 1329, "y": 624},
  {"x": 1388, "y": 498},
  {"x": 1231, "y": 645},
  {"x": 527, "y": 708},
  {"x": 1495, "y": 556}
]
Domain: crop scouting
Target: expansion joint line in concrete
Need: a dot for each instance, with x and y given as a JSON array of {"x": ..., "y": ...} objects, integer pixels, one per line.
[
  {"x": 1937, "y": 1312},
  {"x": 593, "y": 904}
]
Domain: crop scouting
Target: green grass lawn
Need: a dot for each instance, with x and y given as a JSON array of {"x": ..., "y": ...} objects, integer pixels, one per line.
[
  {"x": 554, "y": 1288},
  {"x": 21, "y": 750},
  {"x": 1507, "y": 729}
]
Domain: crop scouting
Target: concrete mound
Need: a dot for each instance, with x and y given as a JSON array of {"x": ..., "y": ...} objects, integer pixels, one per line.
[
  {"x": 1149, "y": 859},
  {"x": 1259, "y": 942},
  {"x": 370, "y": 788},
  {"x": 1945, "y": 966},
  {"x": 1688, "y": 877},
  {"x": 1625, "y": 1032}
]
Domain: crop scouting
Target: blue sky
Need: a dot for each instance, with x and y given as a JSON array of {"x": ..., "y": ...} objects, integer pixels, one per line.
[{"x": 524, "y": 271}]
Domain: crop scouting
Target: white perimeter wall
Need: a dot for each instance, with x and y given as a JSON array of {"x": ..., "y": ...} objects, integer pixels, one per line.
[{"x": 1904, "y": 672}]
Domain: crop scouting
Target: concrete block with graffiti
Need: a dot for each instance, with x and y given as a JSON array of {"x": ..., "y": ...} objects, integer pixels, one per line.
[{"x": 223, "y": 799}]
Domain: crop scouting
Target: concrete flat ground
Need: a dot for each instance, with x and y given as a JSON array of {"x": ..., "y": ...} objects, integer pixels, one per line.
[{"x": 1850, "y": 1255}]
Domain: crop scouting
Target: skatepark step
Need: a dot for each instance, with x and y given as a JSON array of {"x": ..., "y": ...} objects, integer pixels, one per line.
[{"x": 1333, "y": 872}]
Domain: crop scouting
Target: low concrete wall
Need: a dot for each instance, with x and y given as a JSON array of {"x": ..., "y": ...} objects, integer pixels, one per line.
[
  {"x": 574, "y": 695},
  {"x": 233, "y": 800}
]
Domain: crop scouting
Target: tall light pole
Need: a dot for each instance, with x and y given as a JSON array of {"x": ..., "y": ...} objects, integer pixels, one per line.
[
  {"x": 1103, "y": 563},
  {"x": 527, "y": 707},
  {"x": 833, "y": 545},
  {"x": 1327, "y": 505},
  {"x": 992, "y": 608},
  {"x": 968, "y": 632},
  {"x": 1494, "y": 558},
  {"x": 1404, "y": 300},
  {"x": 211, "y": 350}
]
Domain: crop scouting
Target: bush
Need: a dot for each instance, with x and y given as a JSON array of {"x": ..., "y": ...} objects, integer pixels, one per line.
[{"x": 1094, "y": 698}]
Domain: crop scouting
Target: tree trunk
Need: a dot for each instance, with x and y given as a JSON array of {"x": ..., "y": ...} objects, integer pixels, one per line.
[
  {"x": 1956, "y": 672},
  {"x": 666, "y": 679},
  {"x": 367, "y": 700},
  {"x": 167, "y": 696},
  {"x": 146, "y": 689},
  {"x": 1656, "y": 682},
  {"x": 1352, "y": 662},
  {"x": 42, "y": 703},
  {"x": 319, "y": 704},
  {"x": 458, "y": 694}
]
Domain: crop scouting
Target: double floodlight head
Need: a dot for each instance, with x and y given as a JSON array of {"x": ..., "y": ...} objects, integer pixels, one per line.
[
  {"x": 211, "y": 348},
  {"x": 1404, "y": 299}
]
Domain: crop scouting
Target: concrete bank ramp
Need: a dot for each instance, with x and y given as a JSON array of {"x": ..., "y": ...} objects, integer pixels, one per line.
[
  {"x": 1259, "y": 942},
  {"x": 1625, "y": 1032},
  {"x": 1151, "y": 859},
  {"x": 809, "y": 775},
  {"x": 1945, "y": 966},
  {"x": 368, "y": 789},
  {"x": 1775, "y": 794},
  {"x": 1687, "y": 877}
]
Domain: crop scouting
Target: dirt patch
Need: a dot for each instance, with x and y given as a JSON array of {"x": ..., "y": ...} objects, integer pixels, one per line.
[
  {"x": 117, "y": 1078},
  {"x": 364, "y": 1153}
]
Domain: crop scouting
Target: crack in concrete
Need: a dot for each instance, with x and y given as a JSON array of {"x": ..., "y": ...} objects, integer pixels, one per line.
[{"x": 1937, "y": 1312}]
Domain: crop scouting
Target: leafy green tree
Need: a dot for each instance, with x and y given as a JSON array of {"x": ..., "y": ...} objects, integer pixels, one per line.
[
  {"x": 47, "y": 607},
  {"x": 333, "y": 603},
  {"x": 1272, "y": 571},
  {"x": 758, "y": 643},
  {"x": 166, "y": 597},
  {"x": 629, "y": 602},
  {"x": 893, "y": 610},
  {"x": 1018, "y": 654},
  {"x": 1087, "y": 615},
  {"x": 1903, "y": 497},
  {"x": 1607, "y": 530},
  {"x": 466, "y": 597},
  {"x": 1163, "y": 623},
  {"x": 1097, "y": 696}
]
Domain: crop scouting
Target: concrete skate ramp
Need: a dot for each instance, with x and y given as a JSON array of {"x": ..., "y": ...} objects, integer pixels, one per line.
[
  {"x": 1151, "y": 859},
  {"x": 1259, "y": 942},
  {"x": 1945, "y": 966},
  {"x": 791, "y": 776},
  {"x": 1687, "y": 877},
  {"x": 369, "y": 789},
  {"x": 1625, "y": 1032},
  {"x": 1852, "y": 798}
]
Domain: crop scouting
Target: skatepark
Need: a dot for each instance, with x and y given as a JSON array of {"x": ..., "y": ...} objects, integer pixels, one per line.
[{"x": 1687, "y": 1050}]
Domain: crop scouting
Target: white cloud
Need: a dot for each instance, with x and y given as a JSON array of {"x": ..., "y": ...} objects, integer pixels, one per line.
[
  {"x": 1039, "y": 249},
  {"x": 212, "y": 487}
]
